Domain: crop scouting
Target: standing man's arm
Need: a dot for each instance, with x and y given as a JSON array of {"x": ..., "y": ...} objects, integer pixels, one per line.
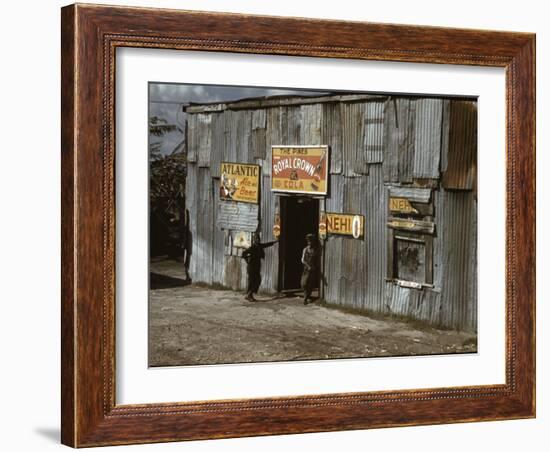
[{"x": 268, "y": 244}]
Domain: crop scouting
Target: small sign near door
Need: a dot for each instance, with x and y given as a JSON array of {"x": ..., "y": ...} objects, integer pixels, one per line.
[
  {"x": 277, "y": 226},
  {"x": 299, "y": 169},
  {"x": 343, "y": 224},
  {"x": 323, "y": 226}
]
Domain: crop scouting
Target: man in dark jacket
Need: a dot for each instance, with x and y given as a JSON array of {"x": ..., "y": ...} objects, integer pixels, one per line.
[
  {"x": 253, "y": 257},
  {"x": 310, "y": 261}
]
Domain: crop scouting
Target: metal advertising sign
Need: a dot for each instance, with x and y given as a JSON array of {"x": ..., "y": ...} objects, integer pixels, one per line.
[
  {"x": 277, "y": 226},
  {"x": 345, "y": 224},
  {"x": 401, "y": 205},
  {"x": 300, "y": 169},
  {"x": 323, "y": 226},
  {"x": 242, "y": 239},
  {"x": 239, "y": 182}
]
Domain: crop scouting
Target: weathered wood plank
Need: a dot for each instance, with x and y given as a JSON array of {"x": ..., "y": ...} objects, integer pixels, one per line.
[
  {"x": 427, "y": 135},
  {"x": 331, "y": 135},
  {"x": 460, "y": 171},
  {"x": 374, "y": 132},
  {"x": 422, "y": 195}
]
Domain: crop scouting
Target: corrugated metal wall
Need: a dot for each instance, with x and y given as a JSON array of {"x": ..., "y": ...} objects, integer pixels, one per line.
[{"x": 375, "y": 144}]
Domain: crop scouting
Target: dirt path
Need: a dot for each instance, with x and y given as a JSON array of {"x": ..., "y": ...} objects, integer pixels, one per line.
[{"x": 191, "y": 325}]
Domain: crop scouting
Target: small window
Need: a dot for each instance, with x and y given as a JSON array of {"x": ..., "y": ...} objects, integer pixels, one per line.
[
  {"x": 410, "y": 238},
  {"x": 411, "y": 259}
]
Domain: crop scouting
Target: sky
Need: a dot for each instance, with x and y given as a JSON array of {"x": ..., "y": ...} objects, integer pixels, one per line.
[{"x": 166, "y": 99}]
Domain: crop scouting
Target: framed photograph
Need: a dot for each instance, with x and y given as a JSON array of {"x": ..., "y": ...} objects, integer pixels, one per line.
[{"x": 281, "y": 225}]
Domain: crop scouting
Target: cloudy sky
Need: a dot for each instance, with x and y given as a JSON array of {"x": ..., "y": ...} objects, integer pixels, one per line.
[{"x": 165, "y": 101}]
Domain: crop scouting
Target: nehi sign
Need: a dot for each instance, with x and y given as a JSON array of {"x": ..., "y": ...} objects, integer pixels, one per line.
[{"x": 342, "y": 224}]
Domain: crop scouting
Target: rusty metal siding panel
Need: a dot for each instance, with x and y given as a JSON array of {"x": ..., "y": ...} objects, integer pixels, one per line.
[
  {"x": 258, "y": 119},
  {"x": 413, "y": 194},
  {"x": 453, "y": 301},
  {"x": 311, "y": 124},
  {"x": 291, "y": 125},
  {"x": 218, "y": 242},
  {"x": 238, "y": 216},
  {"x": 231, "y": 136},
  {"x": 353, "y": 269},
  {"x": 192, "y": 138},
  {"x": 273, "y": 135},
  {"x": 279, "y": 101},
  {"x": 331, "y": 134},
  {"x": 353, "y": 124},
  {"x": 191, "y": 201},
  {"x": 398, "y": 139},
  {"x": 218, "y": 142},
  {"x": 270, "y": 265},
  {"x": 203, "y": 236},
  {"x": 417, "y": 304},
  {"x": 258, "y": 136},
  {"x": 407, "y": 150},
  {"x": 446, "y": 120},
  {"x": 203, "y": 138},
  {"x": 374, "y": 132},
  {"x": 333, "y": 244},
  {"x": 461, "y": 162},
  {"x": 283, "y": 128},
  {"x": 249, "y": 154},
  {"x": 472, "y": 306},
  {"x": 427, "y": 146},
  {"x": 242, "y": 131},
  {"x": 455, "y": 249},
  {"x": 375, "y": 201},
  {"x": 234, "y": 271},
  {"x": 394, "y": 135}
]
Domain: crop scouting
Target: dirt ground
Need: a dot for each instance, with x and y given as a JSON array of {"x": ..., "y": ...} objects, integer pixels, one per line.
[{"x": 190, "y": 325}]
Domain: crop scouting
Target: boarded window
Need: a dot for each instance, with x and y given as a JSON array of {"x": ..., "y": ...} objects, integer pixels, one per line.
[
  {"x": 410, "y": 256},
  {"x": 410, "y": 237}
]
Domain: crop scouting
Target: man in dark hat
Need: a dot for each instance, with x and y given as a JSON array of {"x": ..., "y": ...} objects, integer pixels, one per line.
[
  {"x": 253, "y": 257},
  {"x": 310, "y": 261}
]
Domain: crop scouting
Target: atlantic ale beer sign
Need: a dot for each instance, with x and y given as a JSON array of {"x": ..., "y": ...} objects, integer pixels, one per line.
[
  {"x": 239, "y": 182},
  {"x": 299, "y": 169}
]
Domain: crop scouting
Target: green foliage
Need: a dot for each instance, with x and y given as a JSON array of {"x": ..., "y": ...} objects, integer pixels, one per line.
[
  {"x": 166, "y": 172},
  {"x": 159, "y": 127},
  {"x": 166, "y": 191},
  {"x": 166, "y": 179}
]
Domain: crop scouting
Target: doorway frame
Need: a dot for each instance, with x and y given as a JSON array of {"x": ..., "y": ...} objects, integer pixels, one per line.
[{"x": 283, "y": 198}]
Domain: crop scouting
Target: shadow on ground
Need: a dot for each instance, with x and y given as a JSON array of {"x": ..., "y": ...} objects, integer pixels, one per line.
[{"x": 158, "y": 281}]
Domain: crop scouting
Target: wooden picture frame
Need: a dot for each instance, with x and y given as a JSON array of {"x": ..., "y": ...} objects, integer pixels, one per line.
[{"x": 90, "y": 37}]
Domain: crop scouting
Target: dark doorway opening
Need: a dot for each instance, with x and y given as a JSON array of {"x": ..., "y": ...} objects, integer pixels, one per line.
[{"x": 299, "y": 217}]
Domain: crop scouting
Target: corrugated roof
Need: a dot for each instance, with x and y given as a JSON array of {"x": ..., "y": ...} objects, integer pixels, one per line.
[{"x": 278, "y": 101}]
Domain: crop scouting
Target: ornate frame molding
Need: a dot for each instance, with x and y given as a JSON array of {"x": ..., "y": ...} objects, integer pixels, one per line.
[{"x": 90, "y": 37}]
